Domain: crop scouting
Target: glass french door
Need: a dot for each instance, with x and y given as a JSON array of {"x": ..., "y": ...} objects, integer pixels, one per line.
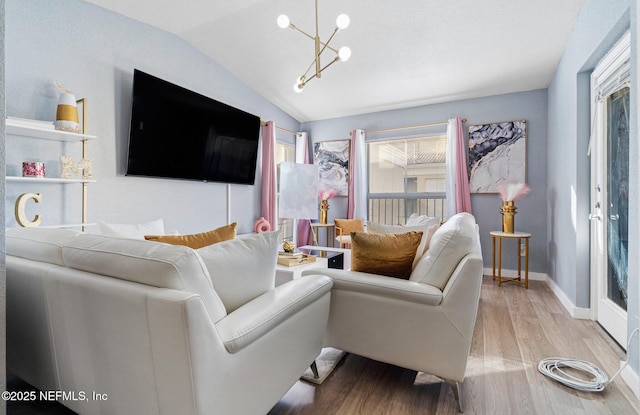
[{"x": 610, "y": 195}]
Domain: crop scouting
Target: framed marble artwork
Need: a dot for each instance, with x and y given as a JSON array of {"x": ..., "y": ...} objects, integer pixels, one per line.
[
  {"x": 497, "y": 154},
  {"x": 332, "y": 158}
]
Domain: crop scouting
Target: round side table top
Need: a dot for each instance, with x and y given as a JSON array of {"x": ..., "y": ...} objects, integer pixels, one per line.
[{"x": 510, "y": 235}]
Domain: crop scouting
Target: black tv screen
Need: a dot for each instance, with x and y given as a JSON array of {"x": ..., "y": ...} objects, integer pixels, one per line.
[{"x": 178, "y": 133}]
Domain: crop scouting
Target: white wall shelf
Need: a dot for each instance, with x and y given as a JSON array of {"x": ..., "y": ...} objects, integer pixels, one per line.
[
  {"x": 69, "y": 225},
  {"x": 45, "y": 130},
  {"x": 46, "y": 180}
]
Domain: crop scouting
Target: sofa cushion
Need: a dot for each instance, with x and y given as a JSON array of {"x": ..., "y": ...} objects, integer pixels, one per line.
[
  {"x": 384, "y": 254},
  {"x": 198, "y": 240},
  {"x": 425, "y": 227},
  {"x": 451, "y": 242},
  {"x": 158, "y": 265},
  {"x": 38, "y": 244},
  {"x": 244, "y": 268},
  {"x": 134, "y": 230},
  {"x": 416, "y": 219}
]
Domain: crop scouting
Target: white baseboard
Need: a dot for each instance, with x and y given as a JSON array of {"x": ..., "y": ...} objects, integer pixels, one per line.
[
  {"x": 575, "y": 312},
  {"x": 632, "y": 379}
]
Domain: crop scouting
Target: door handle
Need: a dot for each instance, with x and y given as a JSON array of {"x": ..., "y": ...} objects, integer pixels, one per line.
[
  {"x": 614, "y": 217},
  {"x": 594, "y": 216}
]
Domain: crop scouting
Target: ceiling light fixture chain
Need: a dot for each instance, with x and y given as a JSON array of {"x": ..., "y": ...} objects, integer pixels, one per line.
[{"x": 342, "y": 54}]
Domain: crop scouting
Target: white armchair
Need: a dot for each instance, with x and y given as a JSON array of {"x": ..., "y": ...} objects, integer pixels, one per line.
[{"x": 425, "y": 323}]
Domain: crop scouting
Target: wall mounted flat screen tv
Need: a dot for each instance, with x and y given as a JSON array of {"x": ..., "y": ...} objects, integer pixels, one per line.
[{"x": 178, "y": 133}]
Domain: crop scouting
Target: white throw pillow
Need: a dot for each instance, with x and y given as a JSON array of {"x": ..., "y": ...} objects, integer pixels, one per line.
[
  {"x": 132, "y": 231},
  {"x": 242, "y": 269},
  {"x": 451, "y": 242},
  {"x": 416, "y": 219},
  {"x": 424, "y": 228}
]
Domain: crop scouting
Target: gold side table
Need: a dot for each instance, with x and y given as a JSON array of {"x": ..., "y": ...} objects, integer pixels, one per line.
[
  {"x": 330, "y": 233},
  {"x": 516, "y": 235}
]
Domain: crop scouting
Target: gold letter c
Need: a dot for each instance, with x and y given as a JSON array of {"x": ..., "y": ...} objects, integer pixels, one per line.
[{"x": 19, "y": 209}]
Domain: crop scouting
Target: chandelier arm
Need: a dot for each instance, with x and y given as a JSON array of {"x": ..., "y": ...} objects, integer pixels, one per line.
[
  {"x": 308, "y": 69},
  {"x": 326, "y": 45},
  {"x": 325, "y": 67},
  {"x": 294, "y": 27},
  {"x": 337, "y": 58}
]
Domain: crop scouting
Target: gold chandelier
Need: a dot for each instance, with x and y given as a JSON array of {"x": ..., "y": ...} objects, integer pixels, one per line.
[{"x": 342, "y": 54}]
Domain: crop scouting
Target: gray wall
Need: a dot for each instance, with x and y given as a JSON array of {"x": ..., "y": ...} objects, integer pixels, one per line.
[
  {"x": 532, "y": 106},
  {"x": 599, "y": 26},
  {"x": 93, "y": 52}
]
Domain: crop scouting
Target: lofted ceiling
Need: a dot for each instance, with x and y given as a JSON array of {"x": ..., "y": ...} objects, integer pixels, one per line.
[{"x": 404, "y": 53}]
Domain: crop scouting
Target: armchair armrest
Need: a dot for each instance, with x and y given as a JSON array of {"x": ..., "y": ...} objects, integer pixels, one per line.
[
  {"x": 248, "y": 323},
  {"x": 381, "y": 286}
]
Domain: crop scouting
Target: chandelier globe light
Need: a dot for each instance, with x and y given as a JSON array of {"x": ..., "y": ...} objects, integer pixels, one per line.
[{"x": 343, "y": 54}]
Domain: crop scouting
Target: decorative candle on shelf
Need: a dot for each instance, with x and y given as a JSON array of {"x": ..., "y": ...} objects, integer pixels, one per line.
[
  {"x": 509, "y": 193},
  {"x": 32, "y": 169},
  {"x": 324, "y": 196}
]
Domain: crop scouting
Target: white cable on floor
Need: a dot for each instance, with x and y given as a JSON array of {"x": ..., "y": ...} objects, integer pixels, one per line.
[{"x": 552, "y": 367}]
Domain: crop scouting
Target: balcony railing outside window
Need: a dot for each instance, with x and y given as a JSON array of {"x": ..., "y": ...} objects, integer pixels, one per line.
[
  {"x": 406, "y": 176},
  {"x": 395, "y": 208}
]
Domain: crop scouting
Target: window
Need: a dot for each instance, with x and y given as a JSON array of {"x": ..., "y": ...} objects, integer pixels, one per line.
[
  {"x": 284, "y": 152},
  {"x": 406, "y": 176}
]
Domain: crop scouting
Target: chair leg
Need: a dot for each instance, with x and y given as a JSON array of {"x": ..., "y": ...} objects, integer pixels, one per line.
[
  {"x": 457, "y": 392},
  {"x": 314, "y": 369}
]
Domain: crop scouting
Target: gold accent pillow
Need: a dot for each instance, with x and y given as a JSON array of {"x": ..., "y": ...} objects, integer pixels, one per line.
[
  {"x": 384, "y": 254},
  {"x": 198, "y": 240}
]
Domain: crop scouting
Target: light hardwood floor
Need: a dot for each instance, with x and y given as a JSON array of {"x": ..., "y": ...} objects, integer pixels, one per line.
[{"x": 515, "y": 329}]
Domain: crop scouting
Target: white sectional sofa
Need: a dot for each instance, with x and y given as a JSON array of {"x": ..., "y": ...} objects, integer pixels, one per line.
[{"x": 142, "y": 324}]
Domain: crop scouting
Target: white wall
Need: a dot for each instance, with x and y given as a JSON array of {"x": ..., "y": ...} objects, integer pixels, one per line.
[{"x": 93, "y": 52}]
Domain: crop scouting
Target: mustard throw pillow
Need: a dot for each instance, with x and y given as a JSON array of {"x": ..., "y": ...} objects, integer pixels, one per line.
[
  {"x": 384, "y": 254},
  {"x": 198, "y": 240}
]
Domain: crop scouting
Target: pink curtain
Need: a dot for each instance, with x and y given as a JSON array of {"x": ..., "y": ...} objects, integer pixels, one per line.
[
  {"x": 457, "y": 180},
  {"x": 269, "y": 185},
  {"x": 302, "y": 156},
  {"x": 463, "y": 199}
]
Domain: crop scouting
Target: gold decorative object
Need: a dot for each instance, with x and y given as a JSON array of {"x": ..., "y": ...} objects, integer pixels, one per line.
[
  {"x": 324, "y": 210},
  {"x": 288, "y": 246},
  {"x": 509, "y": 193},
  {"x": 69, "y": 166},
  {"x": 67, "y": 112},
  {"x": 508, "y": 211},
  {"x": 324, "y": 196},
  {"x": 21, "y": 216}
]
